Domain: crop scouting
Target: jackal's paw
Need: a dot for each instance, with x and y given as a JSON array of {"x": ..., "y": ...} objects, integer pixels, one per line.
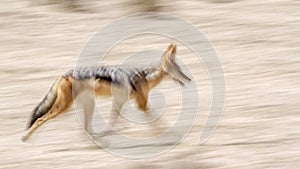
[
  {"x": 107, "y": 132},
  {"x": 100, "y": 135},
  {"x": 89, "y": 130}
]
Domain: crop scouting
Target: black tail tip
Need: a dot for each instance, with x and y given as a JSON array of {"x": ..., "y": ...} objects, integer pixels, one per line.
[{"x": 30, "y": 123}]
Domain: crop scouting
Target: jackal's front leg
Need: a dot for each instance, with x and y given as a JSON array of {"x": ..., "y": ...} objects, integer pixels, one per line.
[
  {"x": 118, "y": 101},
  {"x": 141, "y": 98}
]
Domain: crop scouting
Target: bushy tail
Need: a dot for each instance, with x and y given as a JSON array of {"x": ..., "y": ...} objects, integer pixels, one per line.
[{"x": 45, "y": 105}]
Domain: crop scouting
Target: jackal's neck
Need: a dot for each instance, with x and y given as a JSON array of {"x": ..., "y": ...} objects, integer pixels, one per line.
[{"x": 154, "y": 76}]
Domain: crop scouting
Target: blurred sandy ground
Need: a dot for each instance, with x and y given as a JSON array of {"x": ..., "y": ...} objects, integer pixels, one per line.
[{"x": 258, "y": 45}]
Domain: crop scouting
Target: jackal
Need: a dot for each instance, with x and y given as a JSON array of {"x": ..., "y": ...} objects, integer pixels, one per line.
[{"x": 119, "y": 82}]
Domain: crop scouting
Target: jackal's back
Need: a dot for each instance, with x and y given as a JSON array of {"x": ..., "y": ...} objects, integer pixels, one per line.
[{"x": 113, "y": 74}]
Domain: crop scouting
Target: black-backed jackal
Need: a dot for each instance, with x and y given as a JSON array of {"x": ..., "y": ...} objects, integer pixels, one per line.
[{"x": 121, "y": 83}]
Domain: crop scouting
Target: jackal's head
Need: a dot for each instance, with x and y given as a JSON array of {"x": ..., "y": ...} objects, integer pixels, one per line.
[{"x": 169, "y": 65}]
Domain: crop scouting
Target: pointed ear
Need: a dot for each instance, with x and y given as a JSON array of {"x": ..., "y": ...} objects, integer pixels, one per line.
[{"x": 171, "y": 50}]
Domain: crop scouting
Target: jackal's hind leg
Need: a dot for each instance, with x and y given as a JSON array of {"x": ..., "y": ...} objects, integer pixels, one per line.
[
  {"x": 38, "y": 123},
  {"x": 58, "y": 110},
  {"x": 63, "y": 101},
  {"x": 88, "y": 106}
]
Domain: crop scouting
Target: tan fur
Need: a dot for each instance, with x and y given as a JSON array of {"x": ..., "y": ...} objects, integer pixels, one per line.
[
  {"x": 103, "y": 88},
  {"x": 141, "y": 97}
]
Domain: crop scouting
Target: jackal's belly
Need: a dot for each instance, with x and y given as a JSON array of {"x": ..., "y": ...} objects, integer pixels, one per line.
[
  {"x": 107, "y": 89},
  {"x": 103, "y": 88}
]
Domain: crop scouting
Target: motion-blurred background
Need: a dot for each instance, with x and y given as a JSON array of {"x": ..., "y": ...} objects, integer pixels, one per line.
[{"x": 258, "y": 46}]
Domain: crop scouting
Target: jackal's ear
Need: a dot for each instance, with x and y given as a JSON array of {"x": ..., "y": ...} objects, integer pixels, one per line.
[
  {"x": 173, "y": 52},
  {"x": 170, "y": 52}
]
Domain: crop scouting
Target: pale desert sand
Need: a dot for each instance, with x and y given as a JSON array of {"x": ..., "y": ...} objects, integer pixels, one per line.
[{"x": 258, "y": 46}]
